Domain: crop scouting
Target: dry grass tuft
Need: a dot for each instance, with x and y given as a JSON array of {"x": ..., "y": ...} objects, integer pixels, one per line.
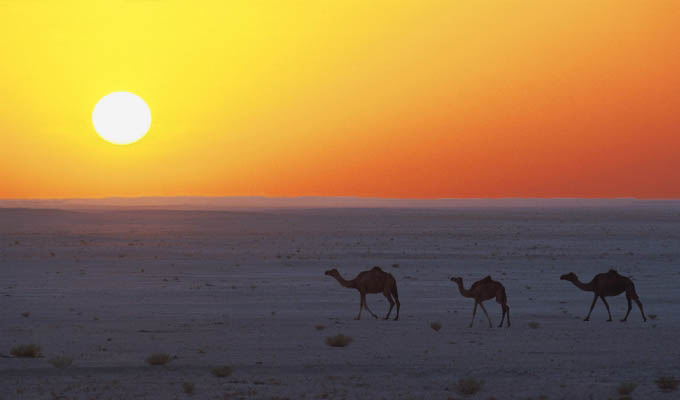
[
  {"x": 652, "y": 316},
  {"x": 338, "y": 340},
  {"x": 436, "y": 325},
  {"x": 158, "y": 359},
  {"x": 469, "y": 386},
  {"x": 188, "y": 387},
  {"x": 534, "y": 325},
  {"x": 667, "y": 383},
  {"x": 319, "y": 327},
  {"x": 25, "y": 351},
  {"x": 626, "y": 388},
  {"x": 221, "y": 372},
  {"x": 60, "y": 361}
]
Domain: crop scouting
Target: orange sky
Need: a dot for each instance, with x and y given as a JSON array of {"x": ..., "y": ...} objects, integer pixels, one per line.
[{"x": 428, "y": 99}]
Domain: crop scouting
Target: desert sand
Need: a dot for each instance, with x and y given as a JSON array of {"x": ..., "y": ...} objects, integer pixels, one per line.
[{"x": 246, "y": 289}]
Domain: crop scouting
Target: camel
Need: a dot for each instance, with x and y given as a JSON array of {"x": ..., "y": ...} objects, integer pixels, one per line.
[
  {"x": 482, "y": 290},
  {"x": 373, "y": 281},
  {"x": 607, "y": 284}
]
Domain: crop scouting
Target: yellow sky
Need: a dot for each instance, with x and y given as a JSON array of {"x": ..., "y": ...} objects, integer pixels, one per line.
[{"x": 368, "y": 98}]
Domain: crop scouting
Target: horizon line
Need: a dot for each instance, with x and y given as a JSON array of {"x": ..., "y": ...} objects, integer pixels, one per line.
[{"x": 225, "y": 203}]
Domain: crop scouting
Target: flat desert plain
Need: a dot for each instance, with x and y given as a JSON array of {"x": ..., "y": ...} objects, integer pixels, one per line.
[{"x": 106, "y": 289}]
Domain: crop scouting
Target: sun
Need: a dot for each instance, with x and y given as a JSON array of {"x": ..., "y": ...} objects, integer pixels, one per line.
[{"x": 121, "y": 118}]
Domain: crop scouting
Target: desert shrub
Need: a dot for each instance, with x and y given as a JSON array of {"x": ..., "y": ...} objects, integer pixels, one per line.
[
  {"x": 534, "y": 325},
  {"x": 469, "y": 386},
  {"x": 652, "y": 316},
  {"x": 667, "y": 383},
  {"x": 338, "y": 340},
  {"x": 436, "y": 325},
  {"x": 158, "y": 359},
  {"x": 395, "y": 265},
  {"x": 60, "y": 361},
  {"x": 188, "y": 387},
  {"x": 25, "y": 350},
  {"x": 626, "y": 388},
  {"x": 221, "y": 372},
  {"x": 320, "y": 327}
]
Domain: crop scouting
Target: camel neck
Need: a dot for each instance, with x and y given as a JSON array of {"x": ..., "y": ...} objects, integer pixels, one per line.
[
  {"x": 588, "y": 287},
  {"x": 463, "y": 291},
  {"x": 343, "y": 282}
]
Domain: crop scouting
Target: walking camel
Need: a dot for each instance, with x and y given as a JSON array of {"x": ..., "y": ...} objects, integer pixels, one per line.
[
  {"x": 482, "y": 290},
  {"x": 374, "y": 280},
  {"x": 605, "y": 285}
]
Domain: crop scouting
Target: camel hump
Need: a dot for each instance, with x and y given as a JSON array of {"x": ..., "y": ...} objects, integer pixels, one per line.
[
  {"x": 377, "y": 269},
  {"x": 483, "y": 281}
]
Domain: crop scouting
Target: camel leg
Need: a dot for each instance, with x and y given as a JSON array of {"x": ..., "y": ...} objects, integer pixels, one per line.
[
  {"x": 368, "y": 309},
  {"x": 361, "y": 305},
  {"x": 630, "y": 294},
  {"x": 629, "y": 308},
  {"x": 503, "y": 316},
  {"x": 389, "y": 298},
  {"x": 607, "y": 305},
  {"x": 591, "y": 309},
  {"x": 637, "y": 301},
  {"x": 507, "y": 310},
  {"x": 474, "y": 312},
  {"x": 486, "y": 313}
]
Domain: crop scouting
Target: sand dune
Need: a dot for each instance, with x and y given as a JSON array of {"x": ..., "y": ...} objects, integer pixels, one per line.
[{"x": 108, "y": 288}]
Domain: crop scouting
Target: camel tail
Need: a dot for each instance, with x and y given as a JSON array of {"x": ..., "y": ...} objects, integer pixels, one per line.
[{"x": 502, "y": 298}]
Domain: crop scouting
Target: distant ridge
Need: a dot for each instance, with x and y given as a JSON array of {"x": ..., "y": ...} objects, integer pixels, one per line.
[{"x": 254, "y": 203}]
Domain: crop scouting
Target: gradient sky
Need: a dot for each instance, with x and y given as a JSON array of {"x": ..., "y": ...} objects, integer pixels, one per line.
[{"x": 359, "y": 98}]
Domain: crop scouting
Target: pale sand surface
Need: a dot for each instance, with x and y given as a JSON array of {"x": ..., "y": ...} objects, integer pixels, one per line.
[{"x": 246, "y": 289}]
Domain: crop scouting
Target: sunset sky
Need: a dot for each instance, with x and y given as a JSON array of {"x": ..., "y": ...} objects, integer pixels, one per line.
[{"x": 413, "y": 99}]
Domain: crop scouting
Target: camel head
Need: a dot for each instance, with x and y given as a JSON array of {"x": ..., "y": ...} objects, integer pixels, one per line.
[
  {"x": 457, "y": 279},
  {"x": 571, "y": 277},
  {"x": 332, "y": 272}
]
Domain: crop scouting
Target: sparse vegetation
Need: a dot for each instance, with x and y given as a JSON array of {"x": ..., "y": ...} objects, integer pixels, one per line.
[
  {"x": 338, "y": 340},
  {"x": 534, "y": 325},
  {"x": 26, "y": 351},
  {"x": 25, "y": 314},
  {"x": 395, "y": 265},
  {"x": 667, "y": 383},
  {"x": 221, "y": 372},
  {"x": 188, "y": 387},
  {"x": 469, "y": 386},
  {"x": 60, "y": 361},
  {"x": 436, "y": 325},
  {"x": 158, "y": 359},
  {"x": 626, "y": 388},
  {"x": 319, "y": 327},
  {"x": 652, "y": 316}
]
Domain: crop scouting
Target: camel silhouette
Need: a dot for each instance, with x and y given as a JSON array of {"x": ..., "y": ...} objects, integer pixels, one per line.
[
  {"x": 482, "y": 290},
  {"x": 373, "y": 281},
  {"x": 607, "y": 284}
]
